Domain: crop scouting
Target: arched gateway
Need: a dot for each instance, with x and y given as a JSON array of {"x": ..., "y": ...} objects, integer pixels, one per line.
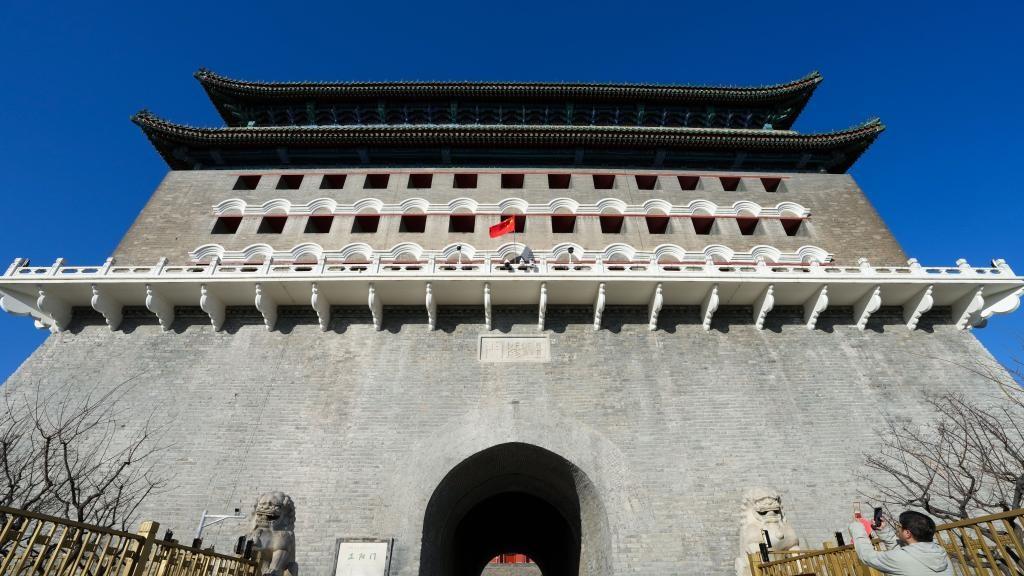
[
  {"x": 512, "y": 497},
  {"x": 316, "y": 302}
]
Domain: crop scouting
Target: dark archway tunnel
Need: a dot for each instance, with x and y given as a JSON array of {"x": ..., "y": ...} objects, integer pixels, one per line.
[{"x": 511, "y": 498}]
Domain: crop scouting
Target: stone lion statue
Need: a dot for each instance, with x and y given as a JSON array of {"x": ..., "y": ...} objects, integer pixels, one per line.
[
  {"x": 273, "y": 534},
  {"x": 762, "y": 510}
]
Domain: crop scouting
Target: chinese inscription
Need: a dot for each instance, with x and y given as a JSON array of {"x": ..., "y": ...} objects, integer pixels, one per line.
[
  {"x": 362, "y": 559},
  {"x": 515, "y": 349}
]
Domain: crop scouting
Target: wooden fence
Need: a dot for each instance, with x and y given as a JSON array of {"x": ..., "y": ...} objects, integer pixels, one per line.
[
  {"x": 985, "y": 546},
  {"x": 39, "y": 545}
]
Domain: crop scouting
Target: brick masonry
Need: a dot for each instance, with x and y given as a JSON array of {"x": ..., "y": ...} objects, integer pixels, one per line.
[
  {"x": 179, "y": 216},
  {"x": 667, "y": 427}
]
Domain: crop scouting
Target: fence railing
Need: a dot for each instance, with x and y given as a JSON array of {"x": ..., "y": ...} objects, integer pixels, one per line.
[
  {"x": 438, "y": 265},
  {"x": 34, "y": 544},
  {"x": 985, "y": 546}
]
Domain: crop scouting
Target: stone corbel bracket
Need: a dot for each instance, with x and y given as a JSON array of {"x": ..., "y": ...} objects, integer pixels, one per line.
[
  {"x": 213, "y": 307},
  {"x": 19, "y": 304},
  {"x": 814, "y": 306},
  {"x": 431, "y": 308},
  {"x": 1002, "y": 303},
  {"x": 542, "y": 306},
  {"x": 106, "y": 305},
  {"x": 158, "y": 305},
  {"x": 654, "y": 308},
  {"x": 322, "y": 306},
  {"x": 267, "y": 306},
  {"x": 967, "y": 306},
  {"x": 55, "y": 308},
  {"x": 763, "y": 305},
  {"x": 917, "y": 306},
  {"x": 376, "y": 307},
  {"x": 487, "y": 305},
  {"x": 599, "y": 303},
  {"x": 868, "y": 304},
  {"x": 708, "y": 307}
]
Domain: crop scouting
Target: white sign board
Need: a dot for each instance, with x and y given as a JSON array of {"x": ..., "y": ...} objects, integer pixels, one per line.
[
  {"x": 362, "y": 558},
  {"x": 504, "y": 349}
]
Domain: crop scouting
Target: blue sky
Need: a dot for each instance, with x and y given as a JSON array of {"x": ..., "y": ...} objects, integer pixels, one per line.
[{"x": 945, "y": 78}]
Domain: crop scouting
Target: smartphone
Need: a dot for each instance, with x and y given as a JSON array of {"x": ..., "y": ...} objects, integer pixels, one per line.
[{"x": 877, "y": 522}]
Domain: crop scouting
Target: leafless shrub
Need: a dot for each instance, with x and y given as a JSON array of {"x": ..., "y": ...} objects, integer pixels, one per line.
[
  {"x": 78, "y": 455},
  {"x": 969, "y": 459}
]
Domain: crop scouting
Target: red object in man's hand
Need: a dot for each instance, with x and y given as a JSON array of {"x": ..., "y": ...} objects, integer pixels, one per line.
[{"x": 866, "y": 524}]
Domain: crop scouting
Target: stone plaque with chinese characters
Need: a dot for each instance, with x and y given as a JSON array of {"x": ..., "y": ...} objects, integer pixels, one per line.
[
  {"x": 515, "y": 349},
  {"x": 362, "y": 557}
]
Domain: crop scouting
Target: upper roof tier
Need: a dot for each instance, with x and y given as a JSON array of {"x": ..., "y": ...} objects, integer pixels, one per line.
[{"x": 243, "y": 103}]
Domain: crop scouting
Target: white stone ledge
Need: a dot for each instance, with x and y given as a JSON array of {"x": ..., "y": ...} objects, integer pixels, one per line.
[
  {"x": 973, "y": 294},
  {"x": 607, "y": 206}
]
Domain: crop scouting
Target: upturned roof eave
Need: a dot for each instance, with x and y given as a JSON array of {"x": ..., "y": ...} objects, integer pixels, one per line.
[
  {"x": 224, "y": 91},
  {"x": 497, "y": 135}
]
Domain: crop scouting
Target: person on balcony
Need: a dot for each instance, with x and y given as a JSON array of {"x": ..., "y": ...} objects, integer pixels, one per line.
[{"x": 919, "y": 556}]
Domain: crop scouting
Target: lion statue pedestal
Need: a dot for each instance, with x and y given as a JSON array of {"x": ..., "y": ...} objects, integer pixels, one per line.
[
  {"x": 762, "y": 511},
  {"x": 273, "y": 534}
]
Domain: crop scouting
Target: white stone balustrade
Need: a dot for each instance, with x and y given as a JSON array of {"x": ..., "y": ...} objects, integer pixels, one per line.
[{"x": 48, "y": 293}]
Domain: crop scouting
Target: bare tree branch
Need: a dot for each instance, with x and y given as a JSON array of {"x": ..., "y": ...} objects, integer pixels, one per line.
[
  {"x": 969, "y": 459},
  {"x": 78, "y": 455}
]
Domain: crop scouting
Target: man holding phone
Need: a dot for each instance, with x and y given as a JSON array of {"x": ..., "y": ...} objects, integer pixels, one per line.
[{"x": 919, "y": 556}]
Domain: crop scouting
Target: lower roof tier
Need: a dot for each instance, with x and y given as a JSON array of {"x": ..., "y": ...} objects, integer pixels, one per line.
[
  {"x": 49, "y": 294},
  {"x": 187, "y": 148}
]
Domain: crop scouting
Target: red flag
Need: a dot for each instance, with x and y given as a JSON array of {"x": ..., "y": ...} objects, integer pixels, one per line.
[{"x": 504, "y": 227}]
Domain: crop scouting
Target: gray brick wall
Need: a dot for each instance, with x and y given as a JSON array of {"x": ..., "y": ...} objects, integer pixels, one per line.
[
  {"x": 669, "y": 427},
  {"x": 179, "y": 216}
]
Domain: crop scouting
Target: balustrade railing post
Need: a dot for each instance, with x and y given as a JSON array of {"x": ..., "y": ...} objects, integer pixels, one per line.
[
  {"x": 105, "y": 269},
  {"x": 160, "y": 264},
  {"x": 136, "y": 565},
  {"x": 55, "y": 269},
  {"x": 18, "y": 263}
]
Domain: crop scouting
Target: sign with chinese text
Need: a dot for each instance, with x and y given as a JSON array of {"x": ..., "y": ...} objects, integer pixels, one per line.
[
  {"x": 515, "y": 349},
  {"x": 363, "y": 557}
]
